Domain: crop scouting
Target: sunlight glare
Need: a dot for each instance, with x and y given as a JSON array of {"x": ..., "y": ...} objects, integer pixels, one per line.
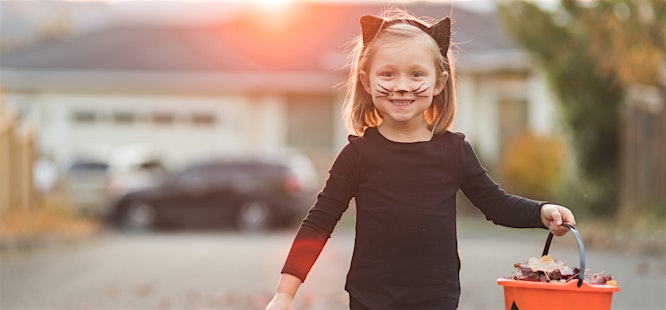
[
  {"x": 274, "y": 5},
  {"x": 275, "y": 15}
]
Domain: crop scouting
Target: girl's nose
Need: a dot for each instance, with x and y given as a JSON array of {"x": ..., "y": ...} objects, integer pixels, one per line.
[{"x": 402, "y": 87}]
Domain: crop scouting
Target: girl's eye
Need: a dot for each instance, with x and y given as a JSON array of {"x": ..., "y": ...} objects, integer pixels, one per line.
[
  {"x": 417, "y": 74},
  {"x": 387, "y": 74}
]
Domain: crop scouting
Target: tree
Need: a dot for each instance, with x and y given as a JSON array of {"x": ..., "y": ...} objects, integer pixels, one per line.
[{"x": 590, "y": 52}]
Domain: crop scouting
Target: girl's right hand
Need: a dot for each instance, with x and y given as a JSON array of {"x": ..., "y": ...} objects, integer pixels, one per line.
[{"x": 281, "y": 302}]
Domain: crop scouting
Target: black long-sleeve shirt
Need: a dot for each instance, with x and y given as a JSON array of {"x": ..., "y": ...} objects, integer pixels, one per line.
[{"x": 405, "y": 253}]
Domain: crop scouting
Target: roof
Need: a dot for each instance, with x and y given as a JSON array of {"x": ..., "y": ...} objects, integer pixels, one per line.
[{"x": 247, "y": 51}]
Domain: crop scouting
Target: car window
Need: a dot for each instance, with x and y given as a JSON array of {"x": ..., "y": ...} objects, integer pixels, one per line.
[
  {"x": 227, "y": 173},
  {"x": 88, "y": 166}
]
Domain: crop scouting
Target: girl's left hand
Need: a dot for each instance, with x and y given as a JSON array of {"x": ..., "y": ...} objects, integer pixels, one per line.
[{"x": 553, "y": 216}]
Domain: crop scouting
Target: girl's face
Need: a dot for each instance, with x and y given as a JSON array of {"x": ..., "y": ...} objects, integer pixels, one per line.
[{"x": 402, "y": 80}]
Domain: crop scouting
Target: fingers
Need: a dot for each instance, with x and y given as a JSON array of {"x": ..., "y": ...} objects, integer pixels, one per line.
[
  {"x": 554, "y": 216},
  {"x": 558, "y": 230},
  {"x": 568, "y": 217}
]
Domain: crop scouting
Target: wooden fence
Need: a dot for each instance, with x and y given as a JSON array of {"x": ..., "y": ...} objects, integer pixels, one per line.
[
  {"x": 643, "y": 153},
  {"x": 17, "y": 157}
]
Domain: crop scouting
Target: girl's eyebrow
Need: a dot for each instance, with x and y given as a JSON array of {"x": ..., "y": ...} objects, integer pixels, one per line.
[
  {"x": 392, "y": 67},
  {"x": 421, "y": 66},
  {"x": 413, "y": 66}
]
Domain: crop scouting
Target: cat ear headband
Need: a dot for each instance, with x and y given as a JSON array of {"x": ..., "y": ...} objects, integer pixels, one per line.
[{"x": 441, "y": 31}]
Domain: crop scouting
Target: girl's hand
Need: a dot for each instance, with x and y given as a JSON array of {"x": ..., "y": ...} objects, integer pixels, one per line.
[
  {"x": 281, "y": 302},
  {"x": 553, "y": 216}
]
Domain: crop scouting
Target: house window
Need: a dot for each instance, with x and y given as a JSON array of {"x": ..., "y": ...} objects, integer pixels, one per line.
[
  {"x": 203, "y": 119},
  {"x": 163, "y": 118},
  {"x": 84, "y": 117},
  {"x": 123, "y": 117}
]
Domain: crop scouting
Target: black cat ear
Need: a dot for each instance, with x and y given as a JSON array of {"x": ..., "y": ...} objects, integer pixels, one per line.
[
  {"x": 370, "y": 26},
  {"x": 441, "y": 32}
]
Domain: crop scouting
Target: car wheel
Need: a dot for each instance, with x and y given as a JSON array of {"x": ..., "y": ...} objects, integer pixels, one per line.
[
  {"x": 253, "y": 216},
  {"x": 140, "y": 216}
]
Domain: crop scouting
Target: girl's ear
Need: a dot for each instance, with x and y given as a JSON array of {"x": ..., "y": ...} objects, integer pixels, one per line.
[
  {"x": 365, "y": 81},
  {"x": 440, "y": 83}
]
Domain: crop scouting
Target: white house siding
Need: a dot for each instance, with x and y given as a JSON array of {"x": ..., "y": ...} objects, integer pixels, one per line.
[
  {"x": 262, "y": 124},
  {"x": 340, "y": 131},
  {"x": 513, "y": 107},
  {"x": 201, "y": 127},
  {"x": 543, "y": 113},
  {"x": 476, "y": 116},
  {"x": 466, "y": 119}
]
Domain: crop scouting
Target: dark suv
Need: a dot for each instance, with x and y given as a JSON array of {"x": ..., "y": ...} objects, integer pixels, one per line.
[{"x": 250, "y": 194}]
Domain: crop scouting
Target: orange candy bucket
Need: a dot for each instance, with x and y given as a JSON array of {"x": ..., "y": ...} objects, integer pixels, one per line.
[{"x": 528, "y": 295}]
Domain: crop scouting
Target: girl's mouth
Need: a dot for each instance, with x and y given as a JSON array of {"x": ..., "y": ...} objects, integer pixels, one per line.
[{"x": 401, "y": 103}]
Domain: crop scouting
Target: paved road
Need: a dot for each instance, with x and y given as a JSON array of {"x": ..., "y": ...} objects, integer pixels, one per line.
[{"x": 227, "y": 270}]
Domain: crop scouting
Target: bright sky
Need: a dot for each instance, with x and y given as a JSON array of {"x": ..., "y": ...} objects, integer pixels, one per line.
[
  {"x": 284, "y": 2},
  {"x": 281, "y": 4}
]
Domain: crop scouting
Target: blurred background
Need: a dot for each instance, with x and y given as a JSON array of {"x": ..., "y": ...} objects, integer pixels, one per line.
[{"x": 133, "y": 116}]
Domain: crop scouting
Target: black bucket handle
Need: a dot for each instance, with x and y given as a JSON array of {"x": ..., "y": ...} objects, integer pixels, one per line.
[{"x": 581, "y": 250}]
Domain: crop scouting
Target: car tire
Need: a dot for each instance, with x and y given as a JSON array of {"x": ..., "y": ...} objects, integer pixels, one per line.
[
  {"x": 140, "y": 216},
  {"x": 253, "y": 216}
]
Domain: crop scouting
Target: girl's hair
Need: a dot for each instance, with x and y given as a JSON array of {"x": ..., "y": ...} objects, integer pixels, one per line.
[{"x": 359, "y": 111}]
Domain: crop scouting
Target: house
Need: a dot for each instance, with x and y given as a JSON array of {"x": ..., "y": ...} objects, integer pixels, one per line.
[{"x": 253, "y": 82}]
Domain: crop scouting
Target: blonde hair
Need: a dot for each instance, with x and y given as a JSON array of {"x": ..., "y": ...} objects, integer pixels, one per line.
[{"x": 359, "y": 111}]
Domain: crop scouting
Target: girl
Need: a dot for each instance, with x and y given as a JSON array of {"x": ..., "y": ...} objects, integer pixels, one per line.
[{"x": 403, "y": 167}]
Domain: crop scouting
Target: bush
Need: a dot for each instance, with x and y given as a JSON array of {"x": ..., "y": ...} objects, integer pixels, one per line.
[
  {"x": 531, "y": 166},
  {"x": 47, "y": 220}
]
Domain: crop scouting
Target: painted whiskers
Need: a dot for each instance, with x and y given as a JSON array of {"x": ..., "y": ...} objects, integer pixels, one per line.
[{"x": 387, "y": 93}]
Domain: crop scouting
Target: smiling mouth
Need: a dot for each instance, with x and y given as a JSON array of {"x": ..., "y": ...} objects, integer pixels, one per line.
[{"x": 402, "y": 103}]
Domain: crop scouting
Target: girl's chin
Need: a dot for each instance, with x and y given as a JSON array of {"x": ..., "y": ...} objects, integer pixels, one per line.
[{"x": 398, "y": 117}]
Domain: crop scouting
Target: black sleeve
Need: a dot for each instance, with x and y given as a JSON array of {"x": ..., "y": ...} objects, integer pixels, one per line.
[
  {"x": 321, "y": 219},
  {"x": 498, "y": 206}
]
